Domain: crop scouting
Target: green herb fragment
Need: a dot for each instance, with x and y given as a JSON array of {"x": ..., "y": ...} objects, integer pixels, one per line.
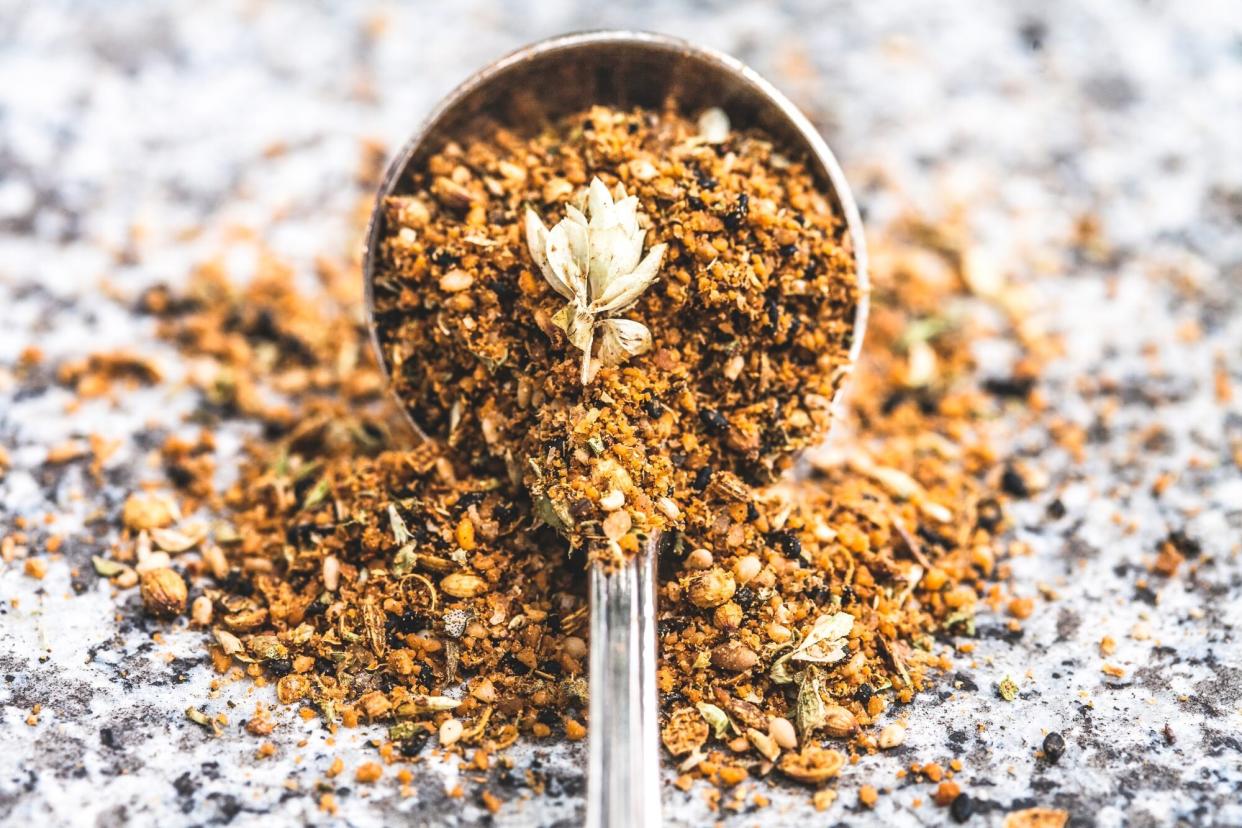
[
  {"x": 105, "y": 568},
  {"x": 1007, "y": 689},
  {"x": 826, "y": 643},
  {"x": 810, "y": 712},
  {"x": 316, "y": 495},
  {"x": 546, "y": 510},
  {"x": 963, "y": 619},
  {"x": 718, "y": 719},
  {"x": 200, "y": 718},
  {"x": 405, "y": 559},
  {"x": 404, "y": 730}
]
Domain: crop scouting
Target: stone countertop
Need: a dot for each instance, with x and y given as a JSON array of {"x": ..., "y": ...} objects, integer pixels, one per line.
[{"x": 124, "y": 126}]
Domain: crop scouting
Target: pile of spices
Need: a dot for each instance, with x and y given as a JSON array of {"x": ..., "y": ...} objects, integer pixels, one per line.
[
  {"x": 689, "y": 315},
  {"x": 371, "y": 582},
  {"x": 370, "y": 577}
]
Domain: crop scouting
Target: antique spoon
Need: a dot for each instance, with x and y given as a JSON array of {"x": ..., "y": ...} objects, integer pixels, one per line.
[{"x": 569, "y": 73}]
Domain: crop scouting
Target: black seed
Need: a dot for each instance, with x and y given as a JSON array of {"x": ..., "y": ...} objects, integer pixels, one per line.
[
  {"x": 787, "y": 542},
  {"x": 1013, "y": 483},
  {"x": 705, "y": 181},
  {"x": 990, "y": 514},
  {"x": 510, "y": 778},
  {"x": 238, "y": 584},
  {"x": 702, "y": 478},
  {"x": 1054, "y": 747},
  {"x": 962, "y": 808},
  {"x": 470, "y": 499},
  {"x": 864, "y": 693},
  {"x": 504, "y": 289},
  {"x": 670, "y": 625},
  {"x": 1056, "y": 509},
  {"x": 713, "y": 421},
  {"x": 752, "y": 514},
  {"x": 180, "y": 476},
  {"x": 848, "y": 596},
  {"x": 1185, "y": 544},
  {"x": 734, "y": 218},
  {"x": 672, "y": 699},
  {"x": 426, "y": 675},
  {"x": 414, "y": 744},
  {"x": 443, "y": 258},
  {"x": 410, "y": 622},
  {"x": 745, "y": 597},
  {"x": 280, "y": 666},
  {"x": 788, "y": 250},
  {"x": 506, "y": 513},
  {"x": 695, "y": 203},
  {"x": 511, "y": 662},
  {"x": 548, "y": 716},
  {"x": 774, "y": 313},
  {"x": 1009, "y": 386}
]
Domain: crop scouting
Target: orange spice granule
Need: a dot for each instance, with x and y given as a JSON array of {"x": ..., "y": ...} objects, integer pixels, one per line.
[
  {"x": 1021, "y": 608},
  {"x": 946, "y": 793},
  {"x": 368, "y": 773},
  {"x": 491, "y": 802}
]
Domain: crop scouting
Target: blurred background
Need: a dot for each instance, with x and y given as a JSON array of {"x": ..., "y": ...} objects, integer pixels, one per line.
[{"x": 1091, "y": 151}]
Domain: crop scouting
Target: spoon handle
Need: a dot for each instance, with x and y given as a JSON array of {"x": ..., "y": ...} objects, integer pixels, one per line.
[{"x": 623, "y": 782}]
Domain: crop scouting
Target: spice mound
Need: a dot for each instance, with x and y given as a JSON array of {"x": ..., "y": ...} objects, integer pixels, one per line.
[
  {"x": 371, "y": 580},
  {"x": 616, "y": 308}
]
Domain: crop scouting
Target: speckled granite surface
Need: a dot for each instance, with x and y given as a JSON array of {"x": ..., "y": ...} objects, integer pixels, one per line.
[{"x": 1022, "y": 121}]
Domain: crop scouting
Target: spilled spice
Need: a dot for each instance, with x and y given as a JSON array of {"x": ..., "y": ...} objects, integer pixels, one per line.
[
  {"x": 372, "y": 578},
  {"x": 722, "y": 363}
]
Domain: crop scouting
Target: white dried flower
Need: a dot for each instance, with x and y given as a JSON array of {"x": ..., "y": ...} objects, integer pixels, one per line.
[{"x": 594, "y": 259}]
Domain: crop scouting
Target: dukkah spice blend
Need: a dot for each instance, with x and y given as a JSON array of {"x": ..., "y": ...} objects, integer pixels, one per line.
[
  {"x": 432, "y": 588},
  {"x": 689, "y": 313}
]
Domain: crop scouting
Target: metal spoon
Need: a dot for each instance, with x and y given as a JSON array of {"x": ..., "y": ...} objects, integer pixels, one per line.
[{"x": 570, "y": 73}]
